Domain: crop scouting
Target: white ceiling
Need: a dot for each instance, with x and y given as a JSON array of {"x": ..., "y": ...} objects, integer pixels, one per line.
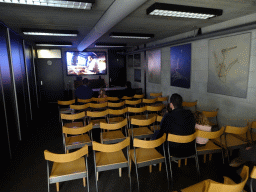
[{"x": 17, "y": 17}]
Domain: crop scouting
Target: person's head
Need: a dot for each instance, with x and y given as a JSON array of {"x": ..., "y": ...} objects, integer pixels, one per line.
[
  {"x": 85, "y": 81},
  {"x": 175, "y": 101},
  {"x": 128, "y": 84},
  {"x": 201, "y": 119}
]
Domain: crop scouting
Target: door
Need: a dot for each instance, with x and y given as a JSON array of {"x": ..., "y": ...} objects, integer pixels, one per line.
[{"x": 50, "y": 80}]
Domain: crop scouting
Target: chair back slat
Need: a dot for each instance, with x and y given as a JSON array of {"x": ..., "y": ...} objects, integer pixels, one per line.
[
  {"x": 70, "y": 102},
  {"x": 155, "y": 108},
  {"x": 189, "y": 104},
  {"x": 210, "y": 113},
  {"x": 63, "y": 158},
  {"x": 149, "y": 101},
  {"x": 136, "y": 110},
  {"x": 77, "y": 131},
  {"x": 97, "y": 113},
  {"x": 155, "y": 94},
  {"x": 159, "y": 118},
  {"x": 117, "y": 111},
  {"x": 126, "y": 97},
  {"x": 210, "y": 135},
  {"x": 110, "y": 147},
  {"x": 144, "y": 122},
  {"x": 162, "y": 98},
  {"x": 138, "y": 96},
  {"x": 149, "y": 144},
  {"x": 116, "y": 104},
  {"x": 236, "y": 130},
  {"x": 113, "y": 126},
  {"x": 253, "y": 173},
  {"x": 80, "y": 107},
  {"x": 72, "y": 116},
  {"x": 130, "y": 102},
  {"x": 181, "y": 138},
  {"x": 112, "y": 99},
  {"x": 99, "y": 99},
  {"x": 98, "y": 105},
  {"x": 84, "y": 100}
]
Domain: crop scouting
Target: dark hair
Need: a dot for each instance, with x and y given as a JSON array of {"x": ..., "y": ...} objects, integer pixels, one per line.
[
  {"x": 85, "y": 81},
  {"x": 176, "y": 100}
]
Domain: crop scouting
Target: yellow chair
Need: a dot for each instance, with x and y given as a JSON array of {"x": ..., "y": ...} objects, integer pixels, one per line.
[
  {"x": 182, "y": 139},
  {"x": 136, "y": 96},
  {"x": 154, "y": 110},
  {"x": 67, "y": 167},
  {"x": 155, "y": 94},
  {"x": 116, "y": 105},
  {"x": 126, "y": 98},
  {"x": 112, "y": 99},
  {"x": 190, "y": 104},
  {"x": 99, "y": 100},
  {"x": 79, "y": 108},
  {"x": 252, "y": 134},
  {"x": 228, "y": 141},
  {"x": 210, "y": 147},
  {"x": 74, "y": 138},
  {"x": 143, "y": 129},
  {"x": 73, "y": 120},
  {"x": 98, "y": 106},
  {"x": 114, "y": 133},
  {"x": 63, "y": 106},
  {"x": 138, "y": 113},
  {"x": 253, "y": 176},
  {"x": 157, "y": 123},
  {"x": 145, "y": 154},
  {"x": 212, "y": 116},
  {"x": 117, "y": 115},
  {"x": 109, "y": 157},
  {"x": 96, "y": 117},
  {"x": 84, "y": 100},
  {"x": 149, "y": 101},
  {"x": 213, "y": 186},
  {"x": 132, "y": 103}
]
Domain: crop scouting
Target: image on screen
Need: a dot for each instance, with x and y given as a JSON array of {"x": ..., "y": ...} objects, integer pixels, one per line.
[{"x": 86, "y": 63}]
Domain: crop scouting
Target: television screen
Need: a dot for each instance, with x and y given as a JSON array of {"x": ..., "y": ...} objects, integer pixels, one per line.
[{"x": 86, "y": 63}]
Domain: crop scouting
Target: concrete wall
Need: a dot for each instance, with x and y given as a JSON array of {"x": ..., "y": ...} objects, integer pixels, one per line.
[{"x": 232, "y": 110}]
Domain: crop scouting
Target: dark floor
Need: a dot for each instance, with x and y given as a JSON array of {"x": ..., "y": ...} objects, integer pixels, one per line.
[{"x": 26, "y": 172}]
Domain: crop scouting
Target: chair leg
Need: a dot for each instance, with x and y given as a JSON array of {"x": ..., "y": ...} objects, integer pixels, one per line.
[
  {"x": 150, "y": 168},
  {"x": 57, "y": 187},
  {"x": 120, "y": 172},
  {"x": 186, "y": 161},
  {"x": 210, "y": 157},
  {"x": 84, "y": 182},
  {"x": 179, "y": 162},
  {"x": 160, "y": 166},
  {"x": 97, "y": 176}
]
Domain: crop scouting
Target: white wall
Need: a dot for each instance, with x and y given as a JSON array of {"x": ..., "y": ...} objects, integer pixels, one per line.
[{"x": 232, "y": 110}]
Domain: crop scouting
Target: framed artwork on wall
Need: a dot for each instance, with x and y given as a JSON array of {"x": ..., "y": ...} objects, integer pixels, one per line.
[
  {"x": 180, "y": 65},
  {"x": 229, "y": 59},
  {"x": 136, "y": 60},
  {"x": 137, "y": 75},
  {"x": 154, "y": 66},
  {"x": 130, "y": 60}
]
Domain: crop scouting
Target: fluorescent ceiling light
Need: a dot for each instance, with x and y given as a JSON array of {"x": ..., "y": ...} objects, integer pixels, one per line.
[
  {"x": 54, "y": 44},
  {"x": 83, "y": 4},
  {"x": 45, "y": 32},
  {"x": 131, "y": 35},
  {"x": 106, "y": 45},
  {"x": 171, "y": 10}
]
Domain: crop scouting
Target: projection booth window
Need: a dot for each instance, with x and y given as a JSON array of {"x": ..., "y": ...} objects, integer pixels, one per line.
[{"x": 49, "y": 53}]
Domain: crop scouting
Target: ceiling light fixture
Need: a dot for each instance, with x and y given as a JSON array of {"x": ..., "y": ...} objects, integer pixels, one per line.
[
  {"x": 82, "y": 4},
  {"x": 107, "y": 45},
  {"x": 171, "y": 10},
  {"x": 53, "y": 44},
  {"x": 45, "y": 32},
  {"x": 131, "y": 35}
]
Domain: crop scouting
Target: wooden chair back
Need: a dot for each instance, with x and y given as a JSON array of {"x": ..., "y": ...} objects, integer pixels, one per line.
[
  {"x": 210, "y": 135},
  {"x": 143, "y": 122},
  {"x": 136, "y": 110},
  {"x": 108, "y": 148},
  {"x": 77, "y": 131},
  {"x": 98, "y": 105},
  {"x": 149, "y": 144},
  {"x": 236, "y": 130},
  {"x": 126, "y": 98},
  {"x": 70, "y": 102},
  {"x": 72, "y": 116},
  {"x": 120, "y": 104},
  {"x": 155, "y": 94},
  {"x": 136, "y": 96},
  {"x": 181, "y": 138},
  {"x": 130, "y": 102},
  {"x": 113, "y": 126},
  {"x": 149, "y": 101},
  {"x": 252, "y": 125},
  {"x": 84, "y": 100},
  {"x": 189, "y": 104},
  {"x": 97, "y": 113},
  {"x": 159, "y": 118},
  {"x": 220, "y": 187},
  {"x": 155, "y": 108},
  {"x": 117, "y": 111},
  {"x": 99, "y": 100},
  {"x": 161, "y": 99},
  {"x": 211, "y": 113},
  {"x": 253, "y": 173},
  {"x": 112, "y": 99},
  {"x": 80, "y": 107},
  {"x": 63, "y": 158}
]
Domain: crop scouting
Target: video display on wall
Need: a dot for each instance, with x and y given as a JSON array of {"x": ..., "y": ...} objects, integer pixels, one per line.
[{"x": 86, "y": 63}]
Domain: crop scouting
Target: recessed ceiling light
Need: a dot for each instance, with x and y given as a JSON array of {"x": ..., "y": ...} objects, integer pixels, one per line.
[
  {"x": 131, "y": 35},
  {"x": 171, "y": 10},
  {"x": 107, "y": 45},
  {"x": 45, "y": 32},
  {"x": 53, "y": 44}
]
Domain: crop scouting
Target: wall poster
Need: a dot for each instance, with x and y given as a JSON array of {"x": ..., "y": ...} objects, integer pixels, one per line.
[
  {"x": 180, "y": 65},
  {"x": 229, "y": 59},
  {"x": 136, "y": 60},
  {"x": 154, "y": 66}
]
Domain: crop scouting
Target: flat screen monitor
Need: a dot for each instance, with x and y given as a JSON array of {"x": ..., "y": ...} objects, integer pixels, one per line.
[{"x": 86, "y": 63}]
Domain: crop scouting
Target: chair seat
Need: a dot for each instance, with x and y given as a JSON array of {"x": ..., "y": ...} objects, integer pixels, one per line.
[
  {"x": 79, "y": 139},
  {"x": 73, "y": 167},
  {"x": 210, "y": 146},
  {"x": 231, "y": 141},
  {"x": 115, "y": 119},
  {"x": 141, "y": 131},
  {"x": 112, "y": 158},
  {"x": 145, "y": 155},
  {"x": 74, "y": 124},
  {"x": 112, "y": 135}
]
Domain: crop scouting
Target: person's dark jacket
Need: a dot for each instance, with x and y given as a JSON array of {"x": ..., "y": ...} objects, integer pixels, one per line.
[
  {"x": 179, "y": 122},
  {"x": 83, "y": 92}
]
